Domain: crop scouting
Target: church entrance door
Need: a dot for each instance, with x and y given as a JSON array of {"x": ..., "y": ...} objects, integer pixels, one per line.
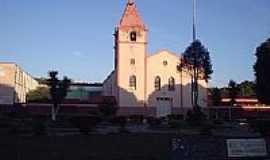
[{"x": 164, "y": 107}]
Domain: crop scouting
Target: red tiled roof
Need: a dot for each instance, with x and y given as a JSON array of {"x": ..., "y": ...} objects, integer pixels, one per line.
[{"x": 131, "y": 17}]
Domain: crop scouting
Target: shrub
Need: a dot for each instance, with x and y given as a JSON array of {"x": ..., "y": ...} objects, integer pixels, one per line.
[
  {"x": 176, "y": 124},
  {"x": 195, "y": 118},
  {"x": 13, "y": 128},
  {"x": 123, "y": 130},
  {"x": 262, "y": 126},
  {"x": 39, "y": 128},
  {"x": 153, "y": 122},
  {"x": 85, "y": 124},
  {"x": 175, "y": 117},
  {"x": 218, "y": 122},
  {"x": 108, "y": 110},
  {"x": 136, "y": 118},
  {"x": 206, "y": 130},
  {"x": 120, "y": 120}
]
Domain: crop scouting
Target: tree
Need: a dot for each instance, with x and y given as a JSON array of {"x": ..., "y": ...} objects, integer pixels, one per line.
[
  {"x": 58, "y": 91},
  {"x": 247, "y": 88},
  {"x": 262, "y": 72},
  {"x": 233, "y": 91},
  {"x": 41, "y": 94},
  {"x": 197, "y": 60},
  {"x": 42, "y": 80},
  {"x": 216, "y": 96}
]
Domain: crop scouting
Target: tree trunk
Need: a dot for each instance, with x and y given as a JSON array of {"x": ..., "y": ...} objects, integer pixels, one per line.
[
  {"x": 196, "y": 107},
  {"x": 196, "y": 94},
  {"x": 54, "y": 112},
  {"x": 192, "y": 90}
]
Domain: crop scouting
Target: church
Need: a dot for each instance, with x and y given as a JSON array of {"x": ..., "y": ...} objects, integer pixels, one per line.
[{"x": 143, "y": 83}]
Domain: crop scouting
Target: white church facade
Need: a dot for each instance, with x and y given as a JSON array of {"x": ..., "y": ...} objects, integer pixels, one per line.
[{"x": 143, "y": 83}]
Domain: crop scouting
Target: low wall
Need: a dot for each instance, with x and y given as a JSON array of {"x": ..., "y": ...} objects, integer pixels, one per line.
[
  {"x": 239, "y": 112},
  {"x": 114, "y": 147}
]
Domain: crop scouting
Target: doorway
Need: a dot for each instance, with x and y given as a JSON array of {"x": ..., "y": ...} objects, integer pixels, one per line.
[{"x": 164, "y": 106}]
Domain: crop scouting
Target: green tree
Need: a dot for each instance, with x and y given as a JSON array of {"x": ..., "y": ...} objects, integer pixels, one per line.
[
  {"x": 233, "y": 91},
  {"x": 216, "y": 96},
  {"x": 262, "y": 72},
  {"x": 247, "y": 88},
  {"x": 41, "y": 94},
  {"x": 197, "y": 60},
  {"x": 58, "y": 91}
]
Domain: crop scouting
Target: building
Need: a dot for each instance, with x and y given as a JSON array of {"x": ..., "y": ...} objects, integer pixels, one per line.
[
  {"x": 143, "y": 83},
  {"x": 240, "y": 101},
  {"x": 14, "y": 84},
  {"x": 82, "y": 91}
]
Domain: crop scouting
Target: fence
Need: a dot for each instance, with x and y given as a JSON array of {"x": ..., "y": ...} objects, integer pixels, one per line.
[{"x": 239, "y": 112}]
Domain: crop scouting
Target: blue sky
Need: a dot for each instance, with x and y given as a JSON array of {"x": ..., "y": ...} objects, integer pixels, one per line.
[{"x": 75, "y": 36}]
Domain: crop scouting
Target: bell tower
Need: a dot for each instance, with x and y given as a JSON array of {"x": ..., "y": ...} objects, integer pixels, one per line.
[{"x": 130, "y": 58}]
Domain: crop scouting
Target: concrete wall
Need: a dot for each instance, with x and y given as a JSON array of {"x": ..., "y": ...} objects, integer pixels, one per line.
[{"x": 109, "y": 85}]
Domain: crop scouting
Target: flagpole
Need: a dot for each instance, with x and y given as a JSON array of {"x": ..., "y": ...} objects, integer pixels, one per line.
[
  {"x": 194, "y": 39},
  {"x": 194, "y": 20}
]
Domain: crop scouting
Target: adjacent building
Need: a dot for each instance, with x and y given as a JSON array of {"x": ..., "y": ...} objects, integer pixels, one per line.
[
  {"x": 15, "y": 83},
  {"x": 84, "y": 90},
  {"x": 144, "y": 83}
]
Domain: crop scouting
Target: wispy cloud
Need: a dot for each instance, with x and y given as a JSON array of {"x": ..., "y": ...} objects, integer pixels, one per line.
[{"x": 77, "y": 54}]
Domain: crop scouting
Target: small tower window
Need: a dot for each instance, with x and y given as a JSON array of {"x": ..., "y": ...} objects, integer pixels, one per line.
[
  {"x": 171, "y": 84},
  {"x": 132, "y": 61},
  {"x": 133, "y": 36},
  {"x": 165, "y": 63},
  {"x": 132, "y": 82},
  {"x": 157, "y": 83}
]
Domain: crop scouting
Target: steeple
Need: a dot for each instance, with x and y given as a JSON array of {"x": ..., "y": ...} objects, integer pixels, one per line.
[
  {"x": 130, "y": 2},
  {"x": 131, "y": 17}
]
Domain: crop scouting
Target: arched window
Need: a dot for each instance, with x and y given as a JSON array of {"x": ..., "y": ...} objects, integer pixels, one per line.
[
  {"x": 133, "y": 36},
  {"x": 132, "y": 82},
  {"x": 157, "y": 83},
  {"x": 171, "y": 84}
]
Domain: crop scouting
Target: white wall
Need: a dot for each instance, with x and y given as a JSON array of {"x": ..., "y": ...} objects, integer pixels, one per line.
[
  {"x": 7, "y": 81},
  {"x": 128, "y": 50},
  {"x": 109, "y": 85},
  {"x": 155, "y": 67},
  {"x": 14, "y": 84}
]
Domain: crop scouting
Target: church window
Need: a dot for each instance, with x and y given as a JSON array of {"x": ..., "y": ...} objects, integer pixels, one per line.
[
  {"x": 171, "y": 84},
  {"x": 157, "y": 83},
  {"x": 132, "y": 82},
  {"x": 132, "y": 61},
  {"x": 133, "y": 36}
]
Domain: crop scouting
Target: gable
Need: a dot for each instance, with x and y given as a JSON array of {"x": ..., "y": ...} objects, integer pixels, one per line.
[{"x": 164, "y": 55}]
